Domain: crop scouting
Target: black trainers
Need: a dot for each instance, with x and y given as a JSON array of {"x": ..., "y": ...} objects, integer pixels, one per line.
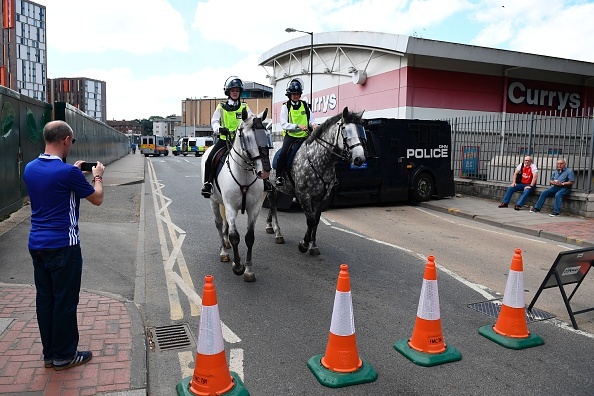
[
  {"x": 280, "y": 181},
  {"x": 554, "y": 214},
  {"x": 517, "y": 207},
  {"x": 207, "y": 190},
  {"x": 81, "y": 357},
  {"x": 503, "y": 205},
  {"x": 48, "y": 363},
  {"x": 534, "y": 210}
]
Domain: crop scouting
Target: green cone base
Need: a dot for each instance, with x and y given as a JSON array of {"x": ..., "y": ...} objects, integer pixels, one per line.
[
  {"x": 512, "y": 343},
  {"x": 427, "y": 359},
  {"x": 183, "y": 387},
  {"x": 332, "y": 379}
]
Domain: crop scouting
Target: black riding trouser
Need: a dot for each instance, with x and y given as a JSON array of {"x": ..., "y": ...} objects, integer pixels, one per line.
[
  {"x": 208, "y": 165},
  {"x": 281, "y": 161}
]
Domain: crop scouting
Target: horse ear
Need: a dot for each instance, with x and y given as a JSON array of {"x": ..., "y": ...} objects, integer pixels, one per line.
[
  {"x": 244, "y": 114},
  {"x": 345, "y": 112},
  {"x": 263, "y": 114}
]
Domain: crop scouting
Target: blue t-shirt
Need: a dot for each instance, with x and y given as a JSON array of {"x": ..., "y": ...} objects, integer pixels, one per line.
[
  {"x": 55, "y": 189},
  {"x": 566, "y": 175}
]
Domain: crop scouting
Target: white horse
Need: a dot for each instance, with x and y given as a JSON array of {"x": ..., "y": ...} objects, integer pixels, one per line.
[{"x": 239, "y": 187}]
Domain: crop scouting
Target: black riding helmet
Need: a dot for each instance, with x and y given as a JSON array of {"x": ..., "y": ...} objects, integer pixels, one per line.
[
  {"x": 233, "y": 82},
  {"x": 294, "y": 86}
]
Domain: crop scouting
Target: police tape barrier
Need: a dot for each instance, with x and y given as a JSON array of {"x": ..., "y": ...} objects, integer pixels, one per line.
[
  {"x": 341, "y": 365},
  {"x": 511, "y": 328},
  {"x": 211, "y": 372},
  {"x": 426, "y": 346}
]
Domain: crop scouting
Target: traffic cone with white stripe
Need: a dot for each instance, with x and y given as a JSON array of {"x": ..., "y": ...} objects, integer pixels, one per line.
[
  {"x": 426, "y": 346},
  {"x": 211, "y": 372},
  {"x": 341, "y": 365},
  {"x": 511, "y": 328}
]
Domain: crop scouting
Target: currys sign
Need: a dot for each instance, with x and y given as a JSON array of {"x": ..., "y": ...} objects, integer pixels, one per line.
[{"x": 519, "y": 94}]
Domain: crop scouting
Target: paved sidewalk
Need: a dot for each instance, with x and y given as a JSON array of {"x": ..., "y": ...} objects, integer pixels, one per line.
[
  {"x": 109, "y": 325},
  {"x": 574, "y": 230}
]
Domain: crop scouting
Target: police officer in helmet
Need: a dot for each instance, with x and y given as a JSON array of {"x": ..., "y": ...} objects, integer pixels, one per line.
[
  {"x": 225, "y": 121},
  {"x": 296, "y": 120}
]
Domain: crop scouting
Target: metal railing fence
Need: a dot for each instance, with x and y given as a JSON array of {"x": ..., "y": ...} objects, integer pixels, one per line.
[{"x": 490, "y": 147}]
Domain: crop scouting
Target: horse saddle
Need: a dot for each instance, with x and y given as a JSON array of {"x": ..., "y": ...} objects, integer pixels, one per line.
[{"x": 293, "y": 148}]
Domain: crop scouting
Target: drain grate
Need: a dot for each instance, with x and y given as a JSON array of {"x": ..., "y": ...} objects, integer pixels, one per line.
[
  {"x": 492, "y": 307},
  {"x": 164, "y": 338}
]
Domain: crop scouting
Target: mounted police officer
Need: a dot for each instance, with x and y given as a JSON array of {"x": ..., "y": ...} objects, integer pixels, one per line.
[
  {"x": 225, "y": 121},
  {"x": 296, "y": 120}
]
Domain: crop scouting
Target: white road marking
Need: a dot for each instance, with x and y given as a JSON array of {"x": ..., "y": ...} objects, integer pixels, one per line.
[{"x": 184, "y": 281}]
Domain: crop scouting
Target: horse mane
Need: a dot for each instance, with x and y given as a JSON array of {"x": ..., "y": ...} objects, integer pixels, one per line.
[{"x": 352, "y": 118}]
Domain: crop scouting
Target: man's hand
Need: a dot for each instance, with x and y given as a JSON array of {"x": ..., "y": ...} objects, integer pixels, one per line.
[{"x": 223, "y": 131}]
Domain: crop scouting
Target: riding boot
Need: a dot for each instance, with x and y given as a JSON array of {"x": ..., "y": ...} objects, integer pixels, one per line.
[{"x": 207, "y": 189}]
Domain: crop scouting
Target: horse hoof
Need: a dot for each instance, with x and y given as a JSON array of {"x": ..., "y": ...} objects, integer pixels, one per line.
[
  {"x": 239, "y": 271},
  {"x": 227, "y": 245},
  {"x": 224, "y": 259},
  {"x": 279, "y": 240},
  {"x": 249, "y": 277},
  {"x": 314, "y": 251},
  {"x": 302, "y": 247},
  {"x": 269, "y": 230}
]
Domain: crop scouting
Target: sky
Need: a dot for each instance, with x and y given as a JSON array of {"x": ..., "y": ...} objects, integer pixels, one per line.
[{"x": 155, "y": 53}]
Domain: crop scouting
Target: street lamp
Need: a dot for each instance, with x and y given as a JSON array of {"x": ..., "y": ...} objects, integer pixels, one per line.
[{"x": 291, "y": 30}]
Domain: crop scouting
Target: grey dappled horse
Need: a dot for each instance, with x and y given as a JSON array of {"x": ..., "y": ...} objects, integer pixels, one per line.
[
  {"x": 239, "y": 187},
  {"x": 313, "y": 174}
]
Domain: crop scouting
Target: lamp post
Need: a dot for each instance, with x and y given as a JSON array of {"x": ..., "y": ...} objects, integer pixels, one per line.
[{"x": 291, "y": 30}]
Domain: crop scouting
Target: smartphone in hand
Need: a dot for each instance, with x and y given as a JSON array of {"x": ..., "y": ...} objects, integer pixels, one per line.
[{"x": 87, "y": 166}]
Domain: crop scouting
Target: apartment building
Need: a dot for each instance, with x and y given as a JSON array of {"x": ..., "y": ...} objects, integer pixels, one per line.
[
  {"x": 86, "y": 94},
  {"x": 23, "y": 59}
]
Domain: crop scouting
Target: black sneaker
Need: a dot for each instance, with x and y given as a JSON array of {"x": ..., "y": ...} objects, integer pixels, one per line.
[
  {"x": 503, "y": 205},
  {"x": 280, "y": 181},
  {"x": 554, "y": 214},
  {"x": 207, "y": 190},
  {"x": 517, "y": 207},
  {"x": 48, "y": 363},
  {"x": 81, "y": 357},
  {"x": 534, "y": 210}
]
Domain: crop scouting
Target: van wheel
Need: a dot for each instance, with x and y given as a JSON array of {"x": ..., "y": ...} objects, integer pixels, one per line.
[{"x": 423, "y": 188}]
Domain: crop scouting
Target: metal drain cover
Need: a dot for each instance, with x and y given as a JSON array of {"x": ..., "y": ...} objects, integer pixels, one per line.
[
  {"x": 164, "y": 338},
  {"x": 492, "y": 307}
]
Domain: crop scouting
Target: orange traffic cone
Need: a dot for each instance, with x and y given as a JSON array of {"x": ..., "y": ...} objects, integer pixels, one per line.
[
  {"x": 511, "y": 329},
  {"x": 211, "y": 372},
  {"x": 341, "y": 365},
  {"x": 426, "y": 346}
]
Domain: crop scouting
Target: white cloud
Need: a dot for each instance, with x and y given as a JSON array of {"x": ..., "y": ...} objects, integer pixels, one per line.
[
  {"x": 549, "y": 27},
  {"x": 137, "y": 26}
]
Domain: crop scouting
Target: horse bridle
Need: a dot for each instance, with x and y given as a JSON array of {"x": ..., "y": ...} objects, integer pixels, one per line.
[
  {"x": 251, "y": 167},
  {"x": 334, "y": 148}
]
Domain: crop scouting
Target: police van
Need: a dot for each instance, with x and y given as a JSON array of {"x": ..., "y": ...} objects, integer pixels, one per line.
[
  {"x": 153, "y": 145},
  {"x": 406, "y": 160}
]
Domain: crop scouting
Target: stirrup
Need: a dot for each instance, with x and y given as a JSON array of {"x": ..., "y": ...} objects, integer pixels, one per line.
[
  {"x": 280, "y": 181},
  {"x": 207, "y": 190}
]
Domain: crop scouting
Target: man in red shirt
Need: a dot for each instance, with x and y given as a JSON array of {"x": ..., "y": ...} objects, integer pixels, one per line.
[{"x": 529, "y": 176}]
